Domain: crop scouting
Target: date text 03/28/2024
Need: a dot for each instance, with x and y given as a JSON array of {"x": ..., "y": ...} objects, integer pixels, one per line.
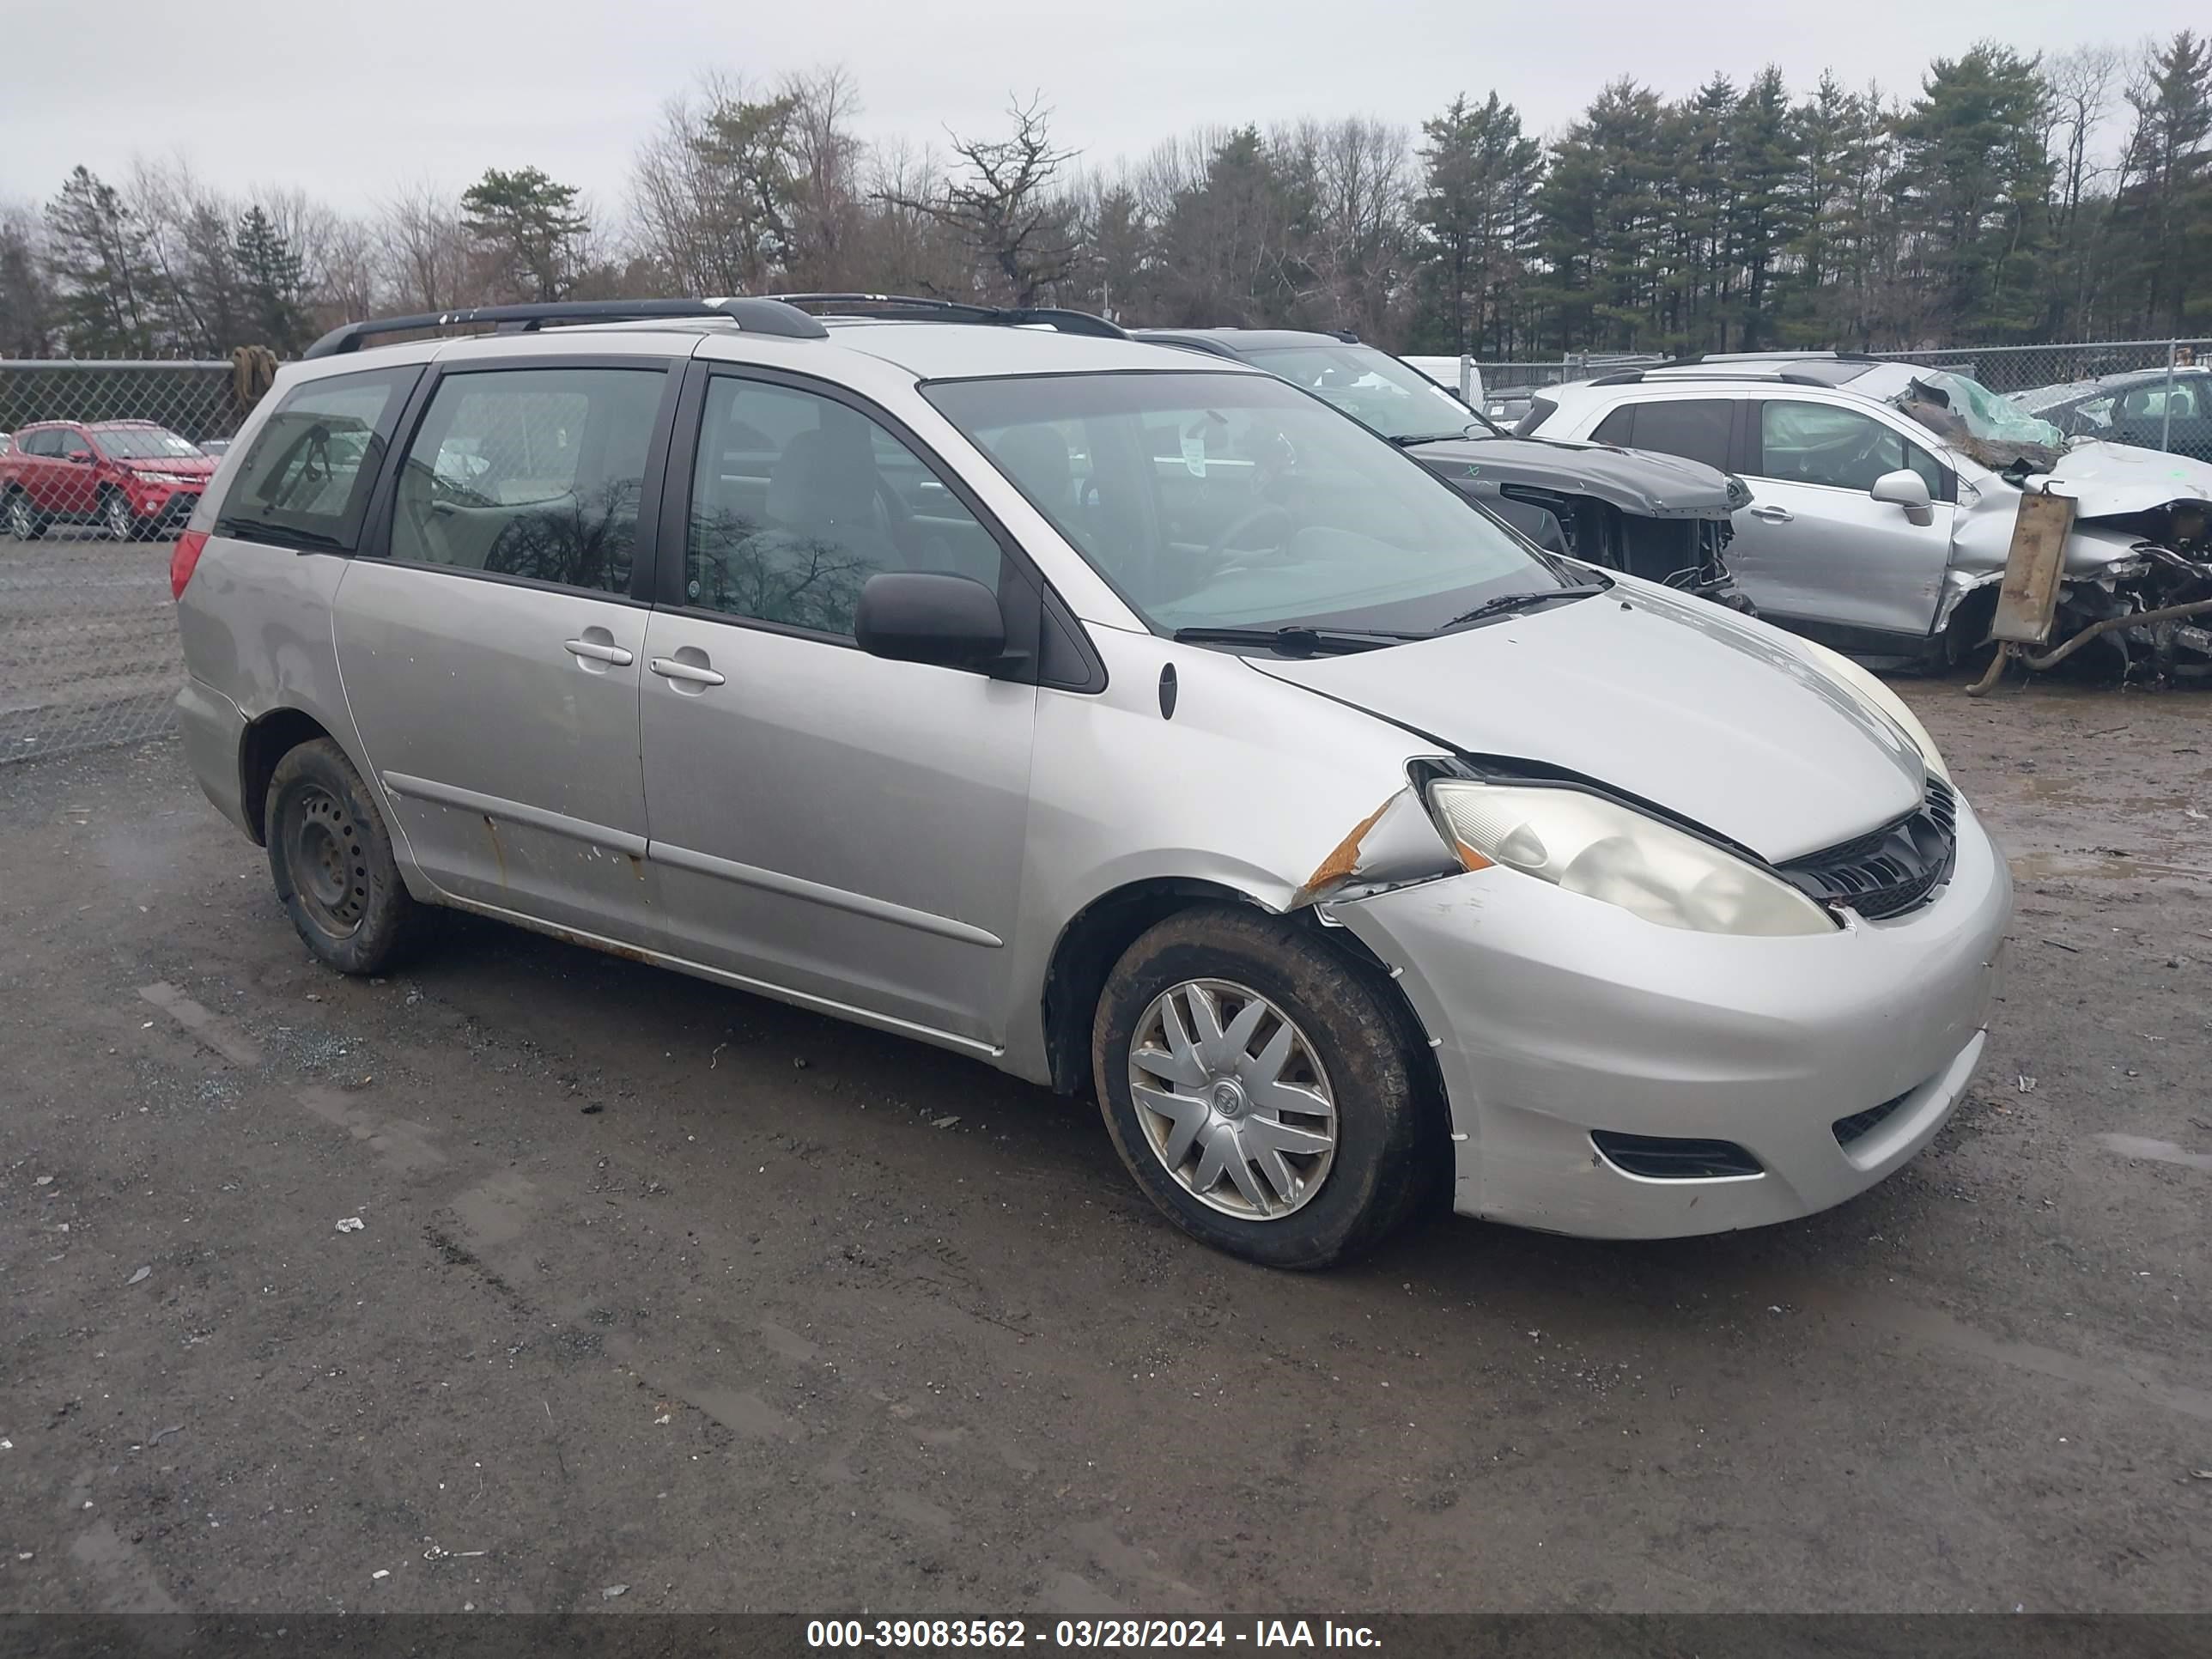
[{"x": 1124, "y": 1633}]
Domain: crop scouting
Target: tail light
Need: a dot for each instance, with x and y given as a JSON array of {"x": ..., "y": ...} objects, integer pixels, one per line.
[{"x": 184, "y": 560}]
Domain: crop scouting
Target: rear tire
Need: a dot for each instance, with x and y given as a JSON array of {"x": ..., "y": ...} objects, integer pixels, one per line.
[
  {"x": 331, "y": 860},
  {"x": 1319, "y": 1055},
  {"x": 25, "y": 522}
]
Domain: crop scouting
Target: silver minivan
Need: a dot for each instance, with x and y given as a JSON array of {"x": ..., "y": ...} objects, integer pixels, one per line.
[{"x": 1131, "y": 721}]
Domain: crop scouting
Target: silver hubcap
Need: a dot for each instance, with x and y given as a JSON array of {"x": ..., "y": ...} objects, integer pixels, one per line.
[
  {"x": 19, "y": 519},
  {"x": 1233, "y": 1099},
  {"x": 119, "y": 515}
]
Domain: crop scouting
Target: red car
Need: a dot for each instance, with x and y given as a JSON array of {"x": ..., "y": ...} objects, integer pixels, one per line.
[{"x": 137, "y": 479}]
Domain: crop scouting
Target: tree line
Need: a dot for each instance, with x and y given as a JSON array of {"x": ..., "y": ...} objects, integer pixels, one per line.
[{"x": 2013, "y": 198}]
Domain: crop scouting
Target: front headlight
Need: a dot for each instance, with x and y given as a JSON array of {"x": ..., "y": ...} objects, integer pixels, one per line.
[
  {"x": 1839, "y": 666},
  {"x": 1590, "y": 846}
]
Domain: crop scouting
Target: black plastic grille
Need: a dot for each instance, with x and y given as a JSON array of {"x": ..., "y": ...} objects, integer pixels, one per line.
[
  {"x": 1859, "y": 1125},
  {"x": 1664, "y": 1158},
  {"x": 1893, "y": 869}
]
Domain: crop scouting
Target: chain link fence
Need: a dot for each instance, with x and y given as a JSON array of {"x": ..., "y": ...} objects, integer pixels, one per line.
[{"x": 100, "y": 464}]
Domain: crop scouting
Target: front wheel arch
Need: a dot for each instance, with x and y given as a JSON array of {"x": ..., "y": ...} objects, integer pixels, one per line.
[{"x": 1087, "y": 947}]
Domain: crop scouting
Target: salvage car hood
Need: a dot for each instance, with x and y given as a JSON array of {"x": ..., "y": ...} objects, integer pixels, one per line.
[
  {"x": 1639, "y": 482},
  {"x": 1719, "y": 720},
  {"x": 2110, "y": 481}
]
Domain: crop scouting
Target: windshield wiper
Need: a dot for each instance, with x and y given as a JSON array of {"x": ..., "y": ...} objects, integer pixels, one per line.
[
  {"x": 1407, "y": 440},
  {"x": 279, "y": 535},
  {"x": 1505, "y": 602},
  {"x": 1294, "y": 640}
]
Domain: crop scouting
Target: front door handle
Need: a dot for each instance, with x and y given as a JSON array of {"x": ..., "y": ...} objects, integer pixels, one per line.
[
  {"x": 1773, "y": 515},
  {"x": 597, "y": 652},
  {"x": 670, "y": 668}
]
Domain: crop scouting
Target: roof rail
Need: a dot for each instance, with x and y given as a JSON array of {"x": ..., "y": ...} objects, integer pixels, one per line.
[
  {"x": 753, "y": 315},
  {"x": 1780, "y": 354},
  {"x": 1740, "y": 366},
  {"x": 909, "y": 307}
]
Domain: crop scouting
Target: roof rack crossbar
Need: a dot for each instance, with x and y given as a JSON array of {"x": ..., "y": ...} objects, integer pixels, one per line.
[
  {"x": 918, "y": 307},
  {"x": 756, "y": 316}
]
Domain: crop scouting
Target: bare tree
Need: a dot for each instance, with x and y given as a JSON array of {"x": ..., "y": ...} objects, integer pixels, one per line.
[
  {"x": 828, "y": 157},
  {"x": 2080, "y": 82},
  {"x": 740, "y": 194},
  {"x": 426, "y": 249},
  {"x": 1003, "y": 206},
  {"x": 1358, "y": 180},
  {"x": 904, "y": 249}
]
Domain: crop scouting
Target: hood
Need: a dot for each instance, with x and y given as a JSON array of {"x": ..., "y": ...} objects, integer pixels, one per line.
[
  {"x": 1715, "y": 718},
  {"x": 1637, "y": 480},
  {"x": 176, "y": 466},
  {"x": 2111, "y": 481}
]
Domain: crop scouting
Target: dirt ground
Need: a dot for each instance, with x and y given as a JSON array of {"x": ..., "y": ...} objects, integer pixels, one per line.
[{"x": 660, "y": 1286}]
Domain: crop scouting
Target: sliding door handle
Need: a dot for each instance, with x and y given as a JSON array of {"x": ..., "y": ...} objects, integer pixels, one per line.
[
  {"x": 597, "y": 652},
  {"x": 671, "y": 668}
]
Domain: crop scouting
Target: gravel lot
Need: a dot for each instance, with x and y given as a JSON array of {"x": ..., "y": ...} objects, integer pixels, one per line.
[{"x": 660, "y": 1286}]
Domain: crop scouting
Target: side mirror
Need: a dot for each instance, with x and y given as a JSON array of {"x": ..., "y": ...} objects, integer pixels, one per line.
[
  {"x": 1906, "y": 488},
  {"x": 927, "y": 616},
  {"x": 81, "y": 457}
]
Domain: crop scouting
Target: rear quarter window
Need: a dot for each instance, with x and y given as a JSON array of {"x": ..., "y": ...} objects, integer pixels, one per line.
[
  {"x": 1696, "y": 428},
  {"x": 307, "y": 474}
]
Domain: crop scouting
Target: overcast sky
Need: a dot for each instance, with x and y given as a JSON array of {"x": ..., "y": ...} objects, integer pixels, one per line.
[{"x": 351, "y": 100}]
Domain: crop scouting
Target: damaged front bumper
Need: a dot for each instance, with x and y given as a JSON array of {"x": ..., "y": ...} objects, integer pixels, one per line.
[
  {"x": 1827, "y": 1061},
  {"x": 2149, "y": 616},
  {"x": 2133, "y": 596}
]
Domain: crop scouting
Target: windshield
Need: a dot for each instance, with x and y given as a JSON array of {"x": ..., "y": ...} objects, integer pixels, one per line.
[
  {"x": 1372, "y": 386},
  {"x": 1228, "y": 500},
  {"x": 1969, "y": 414},
  {"x": 144, "y": 443}
]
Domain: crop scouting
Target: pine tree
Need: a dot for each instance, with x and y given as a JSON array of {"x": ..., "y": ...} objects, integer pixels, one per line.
[
  {"x": 2165, "y": 198},
  {"x": 530, "y": 226},
  {"x": 1603, "y": 221},
  {"x": 1119, "y": 245},
  {"x": 97, "y": 255},
  {"x": 1477, "y": 210},
  {"x": 1835, "y": 139},
  {"x": 1977, "y": 179},
  {"x": 26, "y": 300},
  {"x": 1764, "y": 212},
  {"x": 274, "y": 283},
  {"x": 1701, "y": 189}
]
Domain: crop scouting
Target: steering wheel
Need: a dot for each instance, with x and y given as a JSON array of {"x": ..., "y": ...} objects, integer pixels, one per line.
[{"x": 1217, "y": 550}]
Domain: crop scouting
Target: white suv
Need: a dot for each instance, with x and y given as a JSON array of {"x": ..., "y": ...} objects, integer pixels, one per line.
[{"x": 1885, "y": 495}]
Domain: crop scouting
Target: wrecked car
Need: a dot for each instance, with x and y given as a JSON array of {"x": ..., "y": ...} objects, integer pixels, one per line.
[
  {"x": 1886, "y": 498},
  {"x": 2167, "y": 409},
  {"x": 1653, "y": 515},
  {"x": 1355, "y": 854}
]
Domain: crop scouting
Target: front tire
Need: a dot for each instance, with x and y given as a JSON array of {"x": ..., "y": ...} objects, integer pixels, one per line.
[
  {"x": 115, "y": 512},
  {"x": 331, "y": 860},
  {"x": 1263, "y": 1092}
]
